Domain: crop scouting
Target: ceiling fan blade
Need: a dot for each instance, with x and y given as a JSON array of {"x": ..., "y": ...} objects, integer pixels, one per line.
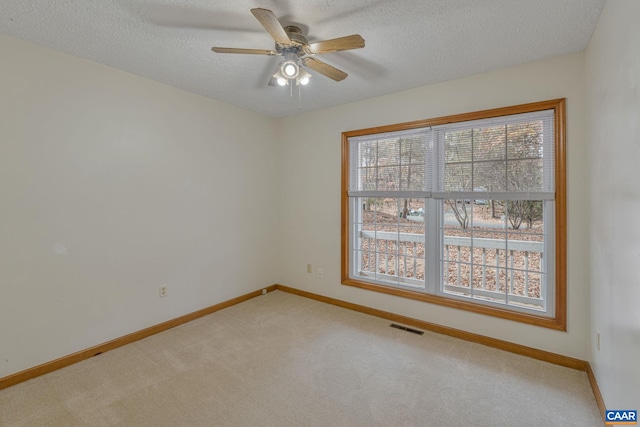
[
  {"x": 354, "y": 41},
  {"x": 247, "y": 51},
  {"x": 272, "y": 25},
  {"x": 325, "y": 69}
]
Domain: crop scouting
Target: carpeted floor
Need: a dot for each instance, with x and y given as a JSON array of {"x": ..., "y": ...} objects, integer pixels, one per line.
[{"x": 284, "y": 360}]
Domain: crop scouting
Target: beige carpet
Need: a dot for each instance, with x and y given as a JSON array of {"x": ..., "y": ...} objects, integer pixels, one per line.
[{"x": 284, "y": 360}]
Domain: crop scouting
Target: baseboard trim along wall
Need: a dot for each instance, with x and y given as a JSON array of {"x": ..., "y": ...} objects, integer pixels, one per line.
[
  {"x": 54, "y": 365},
  {"x": 596, "y": 391},
  {"x": 545, "y": 356}
]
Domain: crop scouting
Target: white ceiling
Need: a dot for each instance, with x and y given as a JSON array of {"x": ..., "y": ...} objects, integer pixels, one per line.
[{"x": 409, "y": 43}]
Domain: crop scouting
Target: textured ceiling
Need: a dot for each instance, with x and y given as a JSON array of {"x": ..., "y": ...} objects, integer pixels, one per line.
[{"x": 409, "y": 43}]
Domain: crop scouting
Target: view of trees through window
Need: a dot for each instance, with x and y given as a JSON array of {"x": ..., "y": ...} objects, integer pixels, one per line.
[
  {"x": 491, "y": 248},
  {"x": 466, "y": 211}
]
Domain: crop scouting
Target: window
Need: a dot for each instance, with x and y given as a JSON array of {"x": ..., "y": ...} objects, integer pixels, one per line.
[{"x": 466, "y": 211}]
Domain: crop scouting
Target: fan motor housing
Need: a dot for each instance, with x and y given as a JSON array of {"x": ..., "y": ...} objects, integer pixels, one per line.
[{"x": 298, "y": 41}]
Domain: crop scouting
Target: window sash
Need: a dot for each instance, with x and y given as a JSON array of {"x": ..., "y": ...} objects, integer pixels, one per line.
[
  {"x": 435, "y": 241},
  {"x": 433, "y": 138}
]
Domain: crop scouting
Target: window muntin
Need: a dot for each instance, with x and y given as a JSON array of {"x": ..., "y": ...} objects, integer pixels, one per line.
[{"x": 446, "y": 176}]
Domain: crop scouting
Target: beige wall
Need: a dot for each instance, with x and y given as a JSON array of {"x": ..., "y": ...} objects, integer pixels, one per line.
[
  {"x": 111, "y": 185},
  {"x": 613, "y": 125},
  {"x": 310, "y": 192}
]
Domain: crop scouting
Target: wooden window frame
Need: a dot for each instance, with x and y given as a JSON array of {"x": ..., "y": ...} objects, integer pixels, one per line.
[{"x": 559, "y": 320}]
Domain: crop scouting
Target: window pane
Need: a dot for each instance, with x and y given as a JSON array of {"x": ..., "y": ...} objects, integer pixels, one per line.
[
  {"x": 366, "y": 164},
  {"x": 489, "y": 143},
  {"x": 367, "y": 178},
  {"x": 492, "y": 250},
  {"x": 412, "y": 177},
  {"x": 388, "y": 152},
  {"x": 489, "y": 176},
  {"x": 458, "y": 146},
  {"x": 389, "y": 178},
  {"x": 412, "y": 157},
  {"x": 524, "y": 140},
  {"x": 524, "y": 175},
  {"x": 525, "y": 241},
  {"x": 458, "y": 177},
  {"x": 473, "y": 250},
  {"x": 391, "y": 241},
  {"x": 456, "y": 261},
  {"x": 392, "y": 164},
  {"x": 523, "y": 214},
  {"x": 412, "y": 150}
]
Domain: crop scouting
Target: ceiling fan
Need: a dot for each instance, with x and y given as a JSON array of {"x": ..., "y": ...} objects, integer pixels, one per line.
[{"x": 297, "y": 51}]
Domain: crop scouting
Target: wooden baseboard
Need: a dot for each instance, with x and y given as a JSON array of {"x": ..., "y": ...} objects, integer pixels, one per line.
[
  {"x": 119, "y": 342},
  {"x": 596, "y": 391},
  {"x": 546, "y": 356}
]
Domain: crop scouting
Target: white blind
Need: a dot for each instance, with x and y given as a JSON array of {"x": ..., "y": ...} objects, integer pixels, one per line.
[
  {"x": 504, "y": 156},
  {"x": 508, "y": 158},
  {"x": 389, "y": 163}
]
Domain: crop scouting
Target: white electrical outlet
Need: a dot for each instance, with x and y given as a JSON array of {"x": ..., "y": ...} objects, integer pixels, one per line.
[
  {"x": 320, "y": 273},
  {"x": 309, "y": 269},
  {"x": 598, "y": 340},
  {"x": 162, "y": 291}
]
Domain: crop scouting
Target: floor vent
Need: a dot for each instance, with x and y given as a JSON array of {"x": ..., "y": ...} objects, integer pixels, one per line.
[{"x": 404, "y": 328}]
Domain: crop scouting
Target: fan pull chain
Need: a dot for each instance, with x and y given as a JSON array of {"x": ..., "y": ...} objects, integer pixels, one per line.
[{"x": 299, "y": 95}]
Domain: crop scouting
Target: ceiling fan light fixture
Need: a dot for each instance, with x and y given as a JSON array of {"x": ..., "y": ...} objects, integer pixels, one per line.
[
  {"x": 290, "y": 69},
  {"x": 296, "y": 51},
  {"x": 279, "y": 78},
  {"x": 303, "y": 78}
]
